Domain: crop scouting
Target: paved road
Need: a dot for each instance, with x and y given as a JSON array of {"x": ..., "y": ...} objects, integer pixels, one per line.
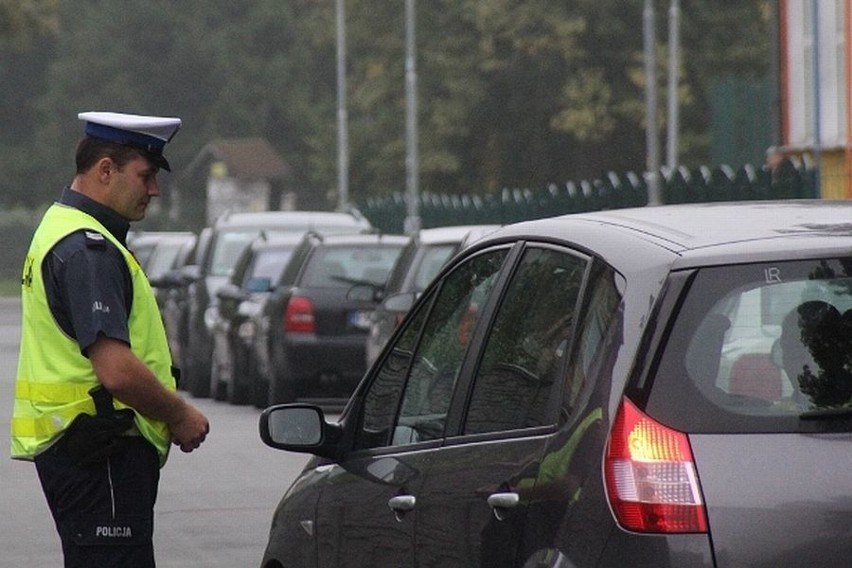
[{"x": 214, "y": 506}]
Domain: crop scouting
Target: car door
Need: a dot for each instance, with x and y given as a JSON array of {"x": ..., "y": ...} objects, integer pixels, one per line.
[
  {"x": 364, "y": 517},
  {"x": 472, "y": 506},
  {"x": 368, "y": 508}
]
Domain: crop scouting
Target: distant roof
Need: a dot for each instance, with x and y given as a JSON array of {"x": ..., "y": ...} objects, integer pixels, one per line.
[{"x": 244, "y": 158}]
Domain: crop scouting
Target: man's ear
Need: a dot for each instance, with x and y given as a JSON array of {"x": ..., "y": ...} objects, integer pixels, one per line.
[{"x": 104, "y": 168}]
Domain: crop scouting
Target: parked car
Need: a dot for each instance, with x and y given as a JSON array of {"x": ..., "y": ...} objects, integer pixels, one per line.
[
  {"x": 421, "y": 259},
  {"x": 171, "y": 292},
  {"x": 234, "y": 375},
  {"x": 230, "y": 234},
  {"x": 315, "y": 321},
  {"x": 169, "y": 252},
  {"x": 143, "y": 244},
  {"x": 660, "y": 386}
]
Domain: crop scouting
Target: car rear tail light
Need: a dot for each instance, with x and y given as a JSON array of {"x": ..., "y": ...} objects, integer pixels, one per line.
[
  {"x": 299, "y": 316},
  {"x": 651, "y": 481}
]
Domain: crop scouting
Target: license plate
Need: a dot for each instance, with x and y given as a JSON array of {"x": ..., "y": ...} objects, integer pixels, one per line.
[{"x": 360, "y": 319}]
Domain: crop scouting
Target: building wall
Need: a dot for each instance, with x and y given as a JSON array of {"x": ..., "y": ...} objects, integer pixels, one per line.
[
  {"x": 834, "y": 176},
  {"x": 817, "y": 99},
  {"x": 227, "y": 194}
]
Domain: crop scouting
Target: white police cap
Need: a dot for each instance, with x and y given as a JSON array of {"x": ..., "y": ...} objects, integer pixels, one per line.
[{"x": 146, "y": 133}]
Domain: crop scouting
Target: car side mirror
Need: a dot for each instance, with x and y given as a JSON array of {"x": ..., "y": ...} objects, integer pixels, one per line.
[
  {"x": 364, "y": 293},
  {"x": 401, "y": 303},
  {"x": 230, "y": 293},
  {"x": 230, "y": 297},
  {"x": 299, "y": 428},
  {"x": 190, "y": 273},
  {"x": 168, "y": 280}
]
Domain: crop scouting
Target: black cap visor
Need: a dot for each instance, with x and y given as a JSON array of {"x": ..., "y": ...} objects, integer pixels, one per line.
[{"x": 156, "y": 159}]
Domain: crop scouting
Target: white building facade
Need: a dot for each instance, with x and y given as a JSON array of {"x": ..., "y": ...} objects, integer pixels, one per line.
[{"x": 815, "y": 55}]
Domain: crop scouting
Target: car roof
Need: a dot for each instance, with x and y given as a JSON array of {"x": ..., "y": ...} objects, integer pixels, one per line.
[
  {"x": 362, "y": 238},
  {"x": 452, "y": 234},
  {"x": 299, "y": 220},
  {"x": 152, "y": 237},
  {"x": 692, "y": 235},
  {"x": 278, "y": 240}
]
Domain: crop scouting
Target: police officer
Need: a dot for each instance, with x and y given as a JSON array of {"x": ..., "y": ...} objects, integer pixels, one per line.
[{"x": 95, "y": 401}]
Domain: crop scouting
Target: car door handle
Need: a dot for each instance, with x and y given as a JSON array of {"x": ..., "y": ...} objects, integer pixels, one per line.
[
  {"x": 500, "y": 502},
  {"x": 402, "y": 504}
]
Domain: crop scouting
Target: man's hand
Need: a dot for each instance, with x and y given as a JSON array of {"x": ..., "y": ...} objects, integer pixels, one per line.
[
  {"x": 130, "y": 381},
  {"x": 190, "y": 430}
]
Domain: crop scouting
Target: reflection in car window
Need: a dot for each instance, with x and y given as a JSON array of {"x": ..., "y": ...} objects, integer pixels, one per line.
[
  {"x": 382, "y": 399},
  {"x": 439, "y": 355},
  {"x": 766, "y": 341},
  {"x": 418, "y": 378},
  {"x": 604, "y": 301},
  {"x": 527, "y": 344}
]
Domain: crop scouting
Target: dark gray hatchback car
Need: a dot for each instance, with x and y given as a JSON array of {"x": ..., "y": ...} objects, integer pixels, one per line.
[{"x": 664, "y": 386}]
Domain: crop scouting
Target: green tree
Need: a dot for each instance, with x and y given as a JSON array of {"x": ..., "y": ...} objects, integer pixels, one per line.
[
  {"x": 22, "y": 20},
  {"x": 511, "y": 93},
  {"x": 24, "y": 26}
]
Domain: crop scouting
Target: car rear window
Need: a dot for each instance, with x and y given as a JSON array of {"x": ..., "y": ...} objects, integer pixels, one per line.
[
  {"x": 340, "y": 267},
  {"x": 269, "y": 263},
  {"x": 760, "y": 347}
]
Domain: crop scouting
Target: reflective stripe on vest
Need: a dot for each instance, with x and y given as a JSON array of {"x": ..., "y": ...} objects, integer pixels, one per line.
[
  {"x": 53, "y": 376},
  {"x": 56, "y": 393}
]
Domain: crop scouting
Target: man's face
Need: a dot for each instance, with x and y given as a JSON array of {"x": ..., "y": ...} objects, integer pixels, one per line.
[{"x": 131, "y": 188}]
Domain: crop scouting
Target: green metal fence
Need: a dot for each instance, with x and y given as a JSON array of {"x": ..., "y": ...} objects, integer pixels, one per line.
[{"x": 790, "y": 180}]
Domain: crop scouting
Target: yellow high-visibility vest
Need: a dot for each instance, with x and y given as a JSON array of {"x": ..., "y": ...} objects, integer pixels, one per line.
[{"x": 53, "y": 376}]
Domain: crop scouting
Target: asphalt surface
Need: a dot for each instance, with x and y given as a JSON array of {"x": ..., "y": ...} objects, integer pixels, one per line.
[{"x": 214, "y": 505}]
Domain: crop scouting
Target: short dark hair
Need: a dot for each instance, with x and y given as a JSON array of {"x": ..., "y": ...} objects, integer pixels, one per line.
[{"x": 90, "y": 150}]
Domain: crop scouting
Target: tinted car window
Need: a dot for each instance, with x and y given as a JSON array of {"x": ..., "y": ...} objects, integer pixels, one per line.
[
  {"x": 439, "y": 355},
  {"x": 762, "y": 343},
  {"x": 429, "y": 368},
  {"x": 596, "y": 331},
  {"x": 382, "y": 399},
  {"x": 528, "y": 343}
]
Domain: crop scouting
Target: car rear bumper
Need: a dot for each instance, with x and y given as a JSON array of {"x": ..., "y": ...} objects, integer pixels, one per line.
[
  {"x": 322, "y": 366},
  {"x": 681, "y": 550}
]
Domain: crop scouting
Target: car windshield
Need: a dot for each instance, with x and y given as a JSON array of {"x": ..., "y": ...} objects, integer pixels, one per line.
[
  {"x": 270, "y": 263},
  {"x": 228, "y": 246},
  {"x": 340, "y": 267},
  {"x": 761, "y": 341}
]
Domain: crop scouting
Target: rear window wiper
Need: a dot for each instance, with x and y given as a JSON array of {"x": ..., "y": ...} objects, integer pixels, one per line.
[{"x": 843, "y": 412}]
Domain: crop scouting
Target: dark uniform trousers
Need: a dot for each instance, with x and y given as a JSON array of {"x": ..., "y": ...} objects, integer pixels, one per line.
[{"x": 104, "y": 513}]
